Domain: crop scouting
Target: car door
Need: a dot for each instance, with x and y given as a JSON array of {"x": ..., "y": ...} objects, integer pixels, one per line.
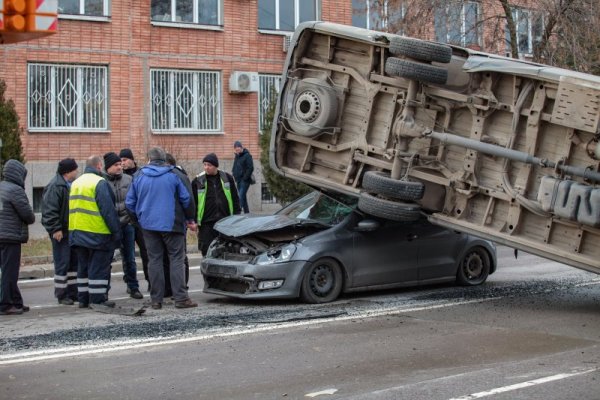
[
  {"x": 438, "y": 250},
  {"x": 386, "y": 255}
]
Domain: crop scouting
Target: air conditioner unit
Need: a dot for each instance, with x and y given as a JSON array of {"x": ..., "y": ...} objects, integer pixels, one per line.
[
  {"x": 287, "y": 40},
  {"x": 243, "y": 82}
]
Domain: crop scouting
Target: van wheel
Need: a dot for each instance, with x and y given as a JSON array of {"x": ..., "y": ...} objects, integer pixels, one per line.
[
  {"x": 416, "y": 71},
  {"x": 322, "y": 282},
  {"x": 388, "y": 209},
  {"x": 314, "y": 108},
  {"x": 474, "y": 268},
  {"x": 420, "y": 49},
  {"x": 381, "y": 183}
]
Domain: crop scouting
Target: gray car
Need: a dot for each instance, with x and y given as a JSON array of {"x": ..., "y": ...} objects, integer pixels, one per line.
[{"x": 320, "y": 246}]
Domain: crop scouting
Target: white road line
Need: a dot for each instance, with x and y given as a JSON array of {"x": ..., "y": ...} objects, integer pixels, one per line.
[
  {"x": 321, "y": 393},
  {"x": 524, "y": 385},
  {"x": 37, "y": 280},
  {"x": 72, "y": 351}
]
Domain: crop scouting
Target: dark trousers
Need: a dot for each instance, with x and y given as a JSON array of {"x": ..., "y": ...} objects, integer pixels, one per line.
[
  {"x": 65, "y": 269},
  {"x": 10, "y": 261},
  {"x": 93, "y": 274},
  {"x": 174, "y": 245},
  {"x": 242, "y": 191},
  {"x": 206, "y": 234},
  {"x": 127, "y": 250},
  {"x": 167, "y": 270},
  {"x": 139, "y": 240}
]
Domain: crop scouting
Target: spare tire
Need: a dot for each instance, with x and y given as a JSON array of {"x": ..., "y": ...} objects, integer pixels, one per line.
[
  {"x": 381, "y": 183},
  {"x": 416, "y": 71},
  {"x": 314, "y": 108},
  {"x": 388, "y": 209},
  {"x": 420, "y": 49}
]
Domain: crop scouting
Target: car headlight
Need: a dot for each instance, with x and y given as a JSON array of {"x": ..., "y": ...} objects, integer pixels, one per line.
[{"x": 279, "y": 254}]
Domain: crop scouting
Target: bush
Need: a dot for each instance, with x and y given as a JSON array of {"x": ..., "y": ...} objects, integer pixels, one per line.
[{"x": 10, "y": 131}]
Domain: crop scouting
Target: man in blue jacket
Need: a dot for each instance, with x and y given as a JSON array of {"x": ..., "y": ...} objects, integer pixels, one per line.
[
  {"x": 160, "y": 201},
  {"x": 94, "y": 231}
]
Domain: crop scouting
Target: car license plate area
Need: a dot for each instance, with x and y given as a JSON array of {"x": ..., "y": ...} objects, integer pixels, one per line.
[
  {"x": 221, "y": 270},
  {"x": 227, "y": 285}
]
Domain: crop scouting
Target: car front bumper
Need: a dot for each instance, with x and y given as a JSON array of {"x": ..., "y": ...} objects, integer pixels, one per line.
[{"x": 241, "y": 280}]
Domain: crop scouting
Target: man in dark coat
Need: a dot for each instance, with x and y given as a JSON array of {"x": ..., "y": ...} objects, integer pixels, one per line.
[
  {"x": 243, "y": 166},
  {"x": 15, "y": 214},
  {"x": 55, "y": 218}
]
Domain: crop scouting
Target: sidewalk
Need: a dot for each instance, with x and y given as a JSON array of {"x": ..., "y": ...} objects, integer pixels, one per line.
[{"x": 46, "y": 269}]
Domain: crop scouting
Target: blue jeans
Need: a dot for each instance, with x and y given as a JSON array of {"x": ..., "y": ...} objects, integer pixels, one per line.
[
  {"x": 242, "y": 190},
  {"x": 65, "y": 269},
  {"x": 127, "y": 250}
]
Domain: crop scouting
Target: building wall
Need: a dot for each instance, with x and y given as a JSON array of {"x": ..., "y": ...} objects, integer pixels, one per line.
[{"x": 129, "y": 44}]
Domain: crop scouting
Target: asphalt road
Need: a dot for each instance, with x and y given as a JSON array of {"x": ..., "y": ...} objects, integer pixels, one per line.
[{"x": 531, "y": 332}]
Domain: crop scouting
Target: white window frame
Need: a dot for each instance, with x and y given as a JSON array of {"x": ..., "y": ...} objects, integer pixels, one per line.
[
  {"x": 196, "y": 111},
  {"x": 532, "y": 16},
  {"x": 384, "y": 18},
  {"x": 266, "y": 81},
  {"x": 195, "y": 23},
  {"x": 49, "y": 100},
  {"x": 81, "y": 15},
  {"x": 297, "y": 3},
  {"x": 464, "y": 32}
]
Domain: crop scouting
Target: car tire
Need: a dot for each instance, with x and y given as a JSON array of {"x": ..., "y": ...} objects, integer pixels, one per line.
[
  {"x": 314, "y": 108},
  {"x": 388, "y": 209},
  {"x": 322, "y": 282},
  {"x": 415, "y": 71},
  {"x": 381, "y": 183},
  {"x": 420, "y": 49},
  {"x": 474, "y": 268}
]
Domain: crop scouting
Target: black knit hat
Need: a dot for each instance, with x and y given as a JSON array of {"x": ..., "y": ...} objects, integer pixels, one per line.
[
  {"x": 211, "y": 158},
  {"x": 67, "y": 165},
  {"x": 237, "y": 143},
  {"x": 110, "y": 159},
  {"x": 126, "y": 153}
]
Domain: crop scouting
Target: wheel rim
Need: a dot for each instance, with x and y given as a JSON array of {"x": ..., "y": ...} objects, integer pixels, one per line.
[
  {"x": 322, "y": 280},
  {"x": 473, "y": 266}
]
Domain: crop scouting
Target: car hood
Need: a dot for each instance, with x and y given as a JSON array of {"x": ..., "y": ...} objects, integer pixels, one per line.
[{"x": 243, "y": 225}]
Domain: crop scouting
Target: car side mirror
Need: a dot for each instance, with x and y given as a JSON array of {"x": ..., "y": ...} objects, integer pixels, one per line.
[{"x": 367, "y": 225}]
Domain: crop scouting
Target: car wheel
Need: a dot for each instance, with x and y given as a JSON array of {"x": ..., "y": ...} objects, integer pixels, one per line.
[
  {"x": 381, "y": 183},
  {"x": 388, "y": 209},
  {"x": 314, "y": 108},
  {"x": 322, "y": 282},
  {"x": 420, "y": 50},
  {"x": 416, "y": 71},
  {"x": 474, "y": 268}
]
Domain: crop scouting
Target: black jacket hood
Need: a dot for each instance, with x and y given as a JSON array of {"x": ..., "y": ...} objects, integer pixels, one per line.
[{"x": 15, "y": 172}]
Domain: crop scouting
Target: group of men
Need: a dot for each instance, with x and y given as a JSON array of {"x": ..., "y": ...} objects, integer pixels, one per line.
[{"x": 115, "y": 204}]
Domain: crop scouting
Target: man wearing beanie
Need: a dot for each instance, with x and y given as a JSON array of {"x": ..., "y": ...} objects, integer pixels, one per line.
[
  {"x": 216, "y": 197},
  {"x": 119, "y": 183},
  {"x": 129, "y": 165},
  {"x": 15, "y": 215},
  {"x": 55, "y": 218},
  {"x": 94, "y": 231},
  {"x": 160, "y": 201},
  {"x": 243, "y": 167}
]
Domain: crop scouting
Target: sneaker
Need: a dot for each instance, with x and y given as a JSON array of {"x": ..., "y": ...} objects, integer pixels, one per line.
[
  {"x": 156, "y": 306},
  {"x": 12, "y": 311},
  {"x": 84, "y": 305},
  {"x": 185, "y": 304},
  {"x": 108, "y": 303},
  {"x": 66, "y": 302},
  {"x": 24, "y": 308},
  {"x": 135, "y": 293}
]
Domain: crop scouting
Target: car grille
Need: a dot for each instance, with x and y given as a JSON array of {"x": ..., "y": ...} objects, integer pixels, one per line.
[
  {"x": 221, "y": 270},
  {"x": 227, "y": 285}
]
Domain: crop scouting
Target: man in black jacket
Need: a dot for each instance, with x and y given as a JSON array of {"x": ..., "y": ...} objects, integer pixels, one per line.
[
  {"x": 55, "y": 218},
  {"x": 15, "y": 215},
  {"x": 243, "y": 166}
]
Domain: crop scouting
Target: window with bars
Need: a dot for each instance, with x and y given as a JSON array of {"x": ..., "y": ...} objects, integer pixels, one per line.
[
  {"x": 458, "y": 24},
  {"x": 91, "y": 8},
  {"x": 199, "y": 12},
  {"x": 185, "y": 101},
  {"x": 269, "y": 86},
  {"x": 67, "y": 97},
  {"x": 378, "y": 15},
  {"x": 266, "y": 197},
  {"x": 285, "y": 15},
  {"x": 529, "y": 25}
]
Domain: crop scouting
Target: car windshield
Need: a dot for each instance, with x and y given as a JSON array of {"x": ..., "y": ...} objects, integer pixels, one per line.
[{"x": 317, "y": 206}]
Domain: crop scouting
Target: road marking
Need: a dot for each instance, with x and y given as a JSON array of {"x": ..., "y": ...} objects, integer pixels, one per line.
[
  {"x": 36, "y": 280},
  {"x": 72, "y": 351},
  {"x": 523, "y": 385},
  {"x": 321, "y": 393}
]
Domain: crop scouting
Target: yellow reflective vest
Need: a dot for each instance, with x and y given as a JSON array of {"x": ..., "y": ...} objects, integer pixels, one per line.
[
  {"x": 84, "y": 214},
  {"x": 225, "y": 184}
]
